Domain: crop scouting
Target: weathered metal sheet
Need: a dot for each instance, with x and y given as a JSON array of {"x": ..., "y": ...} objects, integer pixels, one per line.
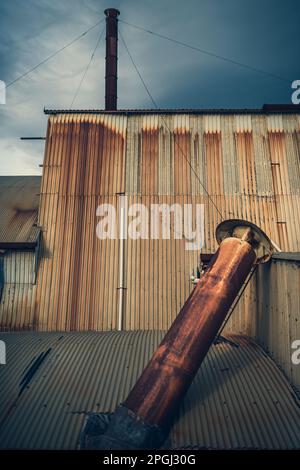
[
  {"x": 17, "y": 290},
  {"x": 247, "y": 135},
  {"x": 17, "y": 307},
  {"x": 77, "y": 278},
  {"x": 248, "y": 162},
  {"x": 84, "y": 166},
  {"x": 158, "y": 272},
  {"x": 239, "y": 399},
  {"x": 278, "y": 307},
  {"x": 18, "y": 267},
  {"x": 19, "y": 196},
  {"x": 262, "y": 156}
]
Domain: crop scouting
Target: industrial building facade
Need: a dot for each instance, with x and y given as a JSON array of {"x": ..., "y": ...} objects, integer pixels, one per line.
[
  {"x": 113, "y": 340},
  {"x": 63, "y": 289},
  {"x": 69, "y": 280}
]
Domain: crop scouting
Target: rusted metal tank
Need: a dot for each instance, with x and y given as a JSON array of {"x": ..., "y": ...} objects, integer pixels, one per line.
[{"x": 144, "y": 419}]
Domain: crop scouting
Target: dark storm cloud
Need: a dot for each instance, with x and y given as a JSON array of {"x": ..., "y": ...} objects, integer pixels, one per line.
[{"x": 261, "y": 33}]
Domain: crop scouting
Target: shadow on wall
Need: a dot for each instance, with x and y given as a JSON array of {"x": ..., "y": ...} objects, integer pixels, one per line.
[
  {"x": 263, "y": 293},
  {"x": 1, "y": 275}
]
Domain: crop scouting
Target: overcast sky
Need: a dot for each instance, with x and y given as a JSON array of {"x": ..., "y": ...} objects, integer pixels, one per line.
[{"x": 261, "y": 33}]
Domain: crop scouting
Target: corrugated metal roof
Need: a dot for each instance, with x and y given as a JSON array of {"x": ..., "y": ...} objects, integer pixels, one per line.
[
  {"x": 238, "y": 400},
  {"x": 19, "y": 210}
]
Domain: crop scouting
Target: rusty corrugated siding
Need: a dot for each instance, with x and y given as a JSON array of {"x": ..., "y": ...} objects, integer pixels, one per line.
[
  {"x": 19, "y": 199},
  {"x": 157, "y": 277},
  {"x": 249, "y": 164},
  {"x": 77, "y": 278},
  {"x": 17, "y": 307},
  {"x": 278, "y": 310},
  {"x": 239, "y": 399},
  {"x": 17, "y": 289},
  {"x": 19, "y": 196},
  {"x": 18, "y": 267},
  {"x": 233, "y": 157}
]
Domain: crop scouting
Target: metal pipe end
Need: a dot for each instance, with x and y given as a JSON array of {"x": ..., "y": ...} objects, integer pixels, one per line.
[
  {"x": 249, "y": 232},
  {"x": 113, "y": 12}
]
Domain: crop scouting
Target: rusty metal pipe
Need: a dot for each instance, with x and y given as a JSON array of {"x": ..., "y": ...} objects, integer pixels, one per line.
[
  {"x": 146, "y": 415},
  {"x": 111, "y": 59},
  {"x": 174, "y": 364}
]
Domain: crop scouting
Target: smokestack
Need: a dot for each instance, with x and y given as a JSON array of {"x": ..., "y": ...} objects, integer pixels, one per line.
[{"x": 111, "y": 59}]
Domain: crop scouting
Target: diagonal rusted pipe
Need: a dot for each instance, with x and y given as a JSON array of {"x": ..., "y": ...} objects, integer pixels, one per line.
[{"x": 146, "y": 415}]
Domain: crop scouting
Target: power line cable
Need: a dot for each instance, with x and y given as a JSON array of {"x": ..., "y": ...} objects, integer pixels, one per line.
[
  {"x": 53, "y": 54},
  {"x": 87, "y": 67},
  {"x": 166, "y": 124},
  {"x": 138, "y": 72},
  {"x": 211, "y": 54}
]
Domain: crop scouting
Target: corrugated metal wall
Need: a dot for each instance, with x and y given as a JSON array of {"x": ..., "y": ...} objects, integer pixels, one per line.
[
  {"x": 77, "y": 278},
  {"x": 19, "y": 203},
  {"x": 17, "y": 290},
  {"x": 249, "y": 164},
  {"x": 278, "y": 311}
]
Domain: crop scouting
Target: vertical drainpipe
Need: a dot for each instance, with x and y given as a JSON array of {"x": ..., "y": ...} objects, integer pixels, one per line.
[
  {"x": 144, "y": 419},
  {"x": 111, "y": 59},
  {"x": 111, "y": 78},
  {"x": 122, "y": 236}
]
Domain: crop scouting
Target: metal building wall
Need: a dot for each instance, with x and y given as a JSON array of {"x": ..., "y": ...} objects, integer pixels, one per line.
[
  {"x": 19, "y": 200},
  {"x": 249, "y": 164},
  {"x": 17, "y": 290},
  {"x": 233, "y": 158},
  {"x": 278, "y": 308},
  {"x": 77, "y": 278},
  {"x": 19, "y": 203}
]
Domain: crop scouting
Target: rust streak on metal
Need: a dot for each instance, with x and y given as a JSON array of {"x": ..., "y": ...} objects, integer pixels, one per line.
[{"x": 149, "y": 161}]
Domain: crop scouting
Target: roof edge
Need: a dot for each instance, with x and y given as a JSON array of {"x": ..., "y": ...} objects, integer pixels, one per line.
[
  {"x": 265, "y": 109},
  {"x": 18, "y": 246},
  {"x": 287, "y": 256}
]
